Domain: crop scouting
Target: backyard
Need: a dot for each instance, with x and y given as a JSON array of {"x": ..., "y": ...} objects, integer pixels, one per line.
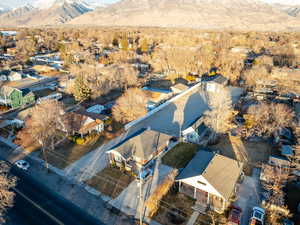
[
  {"x": 251, "y": 152},
  {"x": 111, "y": 181},
  {"x": 179, "y": 156}
]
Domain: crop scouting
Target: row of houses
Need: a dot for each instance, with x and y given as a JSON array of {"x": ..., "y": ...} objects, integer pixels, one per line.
[
  {"x": 209, "y": 177},
  {"x": 18, "y": 93}
]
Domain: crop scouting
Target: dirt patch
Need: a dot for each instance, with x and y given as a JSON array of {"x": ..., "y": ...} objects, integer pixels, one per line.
[
  {"x": 68, "y": 152},
  {"x": 111, "y": 181},
  {"x": 252, "y": 153},
  {"x": 180, "y": 155},
  {"x": 175, "y": 208},
  {"x": 208, "y": 218}
]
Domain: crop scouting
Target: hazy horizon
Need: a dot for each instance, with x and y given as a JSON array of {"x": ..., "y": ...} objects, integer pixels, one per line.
[{"x": 17, "y": 3}]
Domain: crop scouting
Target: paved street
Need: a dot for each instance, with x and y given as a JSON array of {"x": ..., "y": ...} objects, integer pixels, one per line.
[{"x": 68, "y": 188}]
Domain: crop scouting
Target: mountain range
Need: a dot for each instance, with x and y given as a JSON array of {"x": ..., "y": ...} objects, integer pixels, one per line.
[
  {"x": 60, "y": 12},
  {"x": 204, "y": 14}
]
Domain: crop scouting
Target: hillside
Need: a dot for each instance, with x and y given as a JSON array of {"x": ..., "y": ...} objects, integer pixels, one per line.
[
  {"x": 205, "y": 14},
  {"x": 60, "y": 12}
]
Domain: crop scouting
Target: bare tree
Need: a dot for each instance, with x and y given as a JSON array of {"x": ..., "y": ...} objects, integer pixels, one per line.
[
  {"x": 268, "y": 118},
  {"x": 276, "y": 178},
  {"x": 7, "y": 182},
  {"x": 130, "y": 106},
  {"x": 219, "y": 117},
  {"x": 25, "y": 48},
  {"x": 47, "y": 125}
]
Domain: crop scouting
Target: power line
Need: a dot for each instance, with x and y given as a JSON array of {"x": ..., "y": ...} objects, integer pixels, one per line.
[{"x": 119, "y": 184}]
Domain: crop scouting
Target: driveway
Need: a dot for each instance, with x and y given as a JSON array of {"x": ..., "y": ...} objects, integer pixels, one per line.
[
  {"x": 249, "y": 195},
  {"x": 129, "y": 202}
]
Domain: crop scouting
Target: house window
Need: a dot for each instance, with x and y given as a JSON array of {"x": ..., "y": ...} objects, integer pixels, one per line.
[
  {"x": 201, "y": 183},
  {"x": 118, "y": 158}
]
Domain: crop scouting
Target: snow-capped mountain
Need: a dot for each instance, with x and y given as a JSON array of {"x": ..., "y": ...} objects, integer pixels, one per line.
[
  {"x": 203, "y": 14},
  {"x": 90, "y": 4},
  {"x": 59, "y": 12}
]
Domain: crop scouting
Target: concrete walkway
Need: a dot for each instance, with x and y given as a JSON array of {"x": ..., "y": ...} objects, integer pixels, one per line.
[
  {"x": 193, "y": 218},
  {"x": 90, "y": 164},
  {"x": 129, "y": 202},
  {"x": 249, "y": 195}
]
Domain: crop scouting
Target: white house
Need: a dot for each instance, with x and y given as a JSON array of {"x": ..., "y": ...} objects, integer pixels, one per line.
[
  {"x": 13, "y": 76},
  {"x": 211, "y": 179},
  {"x": 214, "y": 83}
]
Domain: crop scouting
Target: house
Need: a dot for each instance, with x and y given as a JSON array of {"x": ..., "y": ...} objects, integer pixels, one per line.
[
  {"x": 178, "y": 88},
  {"x": 11, "y": 51},
  {"x": 95, "y": 116},
  {"x": 44, "y": 69},
  {"x": 155, "y": 96},
  {"x": 177, "y": 118},
  {"x": 13, "y": 76},
  {"x": 84, "y": 124},
  {"x": 15, "y": 97},
  {"x": 211, "y": 179},
  {"x": 136, "y": 152},
  {"x": 214, "y": 83},
  {"x": 178, "y": 113}
]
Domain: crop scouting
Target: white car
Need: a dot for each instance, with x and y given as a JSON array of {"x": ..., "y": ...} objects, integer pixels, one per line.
[
  {"x": 22, "y": 164},
  {"x": 257, "y": 216}
]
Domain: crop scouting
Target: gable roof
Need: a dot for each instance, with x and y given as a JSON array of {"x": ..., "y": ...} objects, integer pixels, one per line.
[
  {"x": 217, "y": 78},
  {"x": 220, "y": 171},
  {"x": 142, "y": 145},
  {"x": 179, "y": 87},
  {"x": 26, "y": 91},
  {"x": 6, "y": 90},
  {"x": 176, "y": 115}
]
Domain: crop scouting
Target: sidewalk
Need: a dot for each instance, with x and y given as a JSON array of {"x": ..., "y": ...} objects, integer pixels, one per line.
[
  {"x": 80, "y": 194},
  {"x": 68, "y": 188}
]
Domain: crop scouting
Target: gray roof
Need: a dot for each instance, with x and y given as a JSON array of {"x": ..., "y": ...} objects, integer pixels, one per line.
[
  {"x": 217, "y": 78},
  {"x": 142, "y": 145},
  {"x": 179, "y": 114},
  {"x": 220, "y": 171}
]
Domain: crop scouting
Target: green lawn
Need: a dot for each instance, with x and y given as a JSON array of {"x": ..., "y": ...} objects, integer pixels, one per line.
[
  {"x": 111, "y": 181},
  {"x": 180, "y": 155}
]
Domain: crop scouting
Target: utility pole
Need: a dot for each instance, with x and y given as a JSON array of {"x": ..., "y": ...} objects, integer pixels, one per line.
[{"x": 141, "y": 198}]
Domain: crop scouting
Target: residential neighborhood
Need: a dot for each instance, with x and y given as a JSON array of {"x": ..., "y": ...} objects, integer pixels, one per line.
[{"x": 150, "y": 126}]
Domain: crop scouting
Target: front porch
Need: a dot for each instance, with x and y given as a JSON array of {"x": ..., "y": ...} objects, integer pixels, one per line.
[{"x": 205, "y": 200}]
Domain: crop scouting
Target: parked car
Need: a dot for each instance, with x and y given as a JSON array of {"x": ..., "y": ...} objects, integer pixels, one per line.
[
  {"x": 235, "y": 215},
  {"x": 257, "y": 216},
  {"x": 145, "y": 174},
  {"x": 22, "y": 164}
]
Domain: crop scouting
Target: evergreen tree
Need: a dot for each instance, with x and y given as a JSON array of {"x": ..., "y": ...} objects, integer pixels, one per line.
[{"x": 81, "y": 91}]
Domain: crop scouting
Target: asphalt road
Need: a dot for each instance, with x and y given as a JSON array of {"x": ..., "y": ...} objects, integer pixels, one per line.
[{"x": 36, "y": 204}]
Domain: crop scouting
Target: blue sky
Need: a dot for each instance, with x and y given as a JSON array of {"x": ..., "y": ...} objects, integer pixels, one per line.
[{"x": 16, "y": 3}]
